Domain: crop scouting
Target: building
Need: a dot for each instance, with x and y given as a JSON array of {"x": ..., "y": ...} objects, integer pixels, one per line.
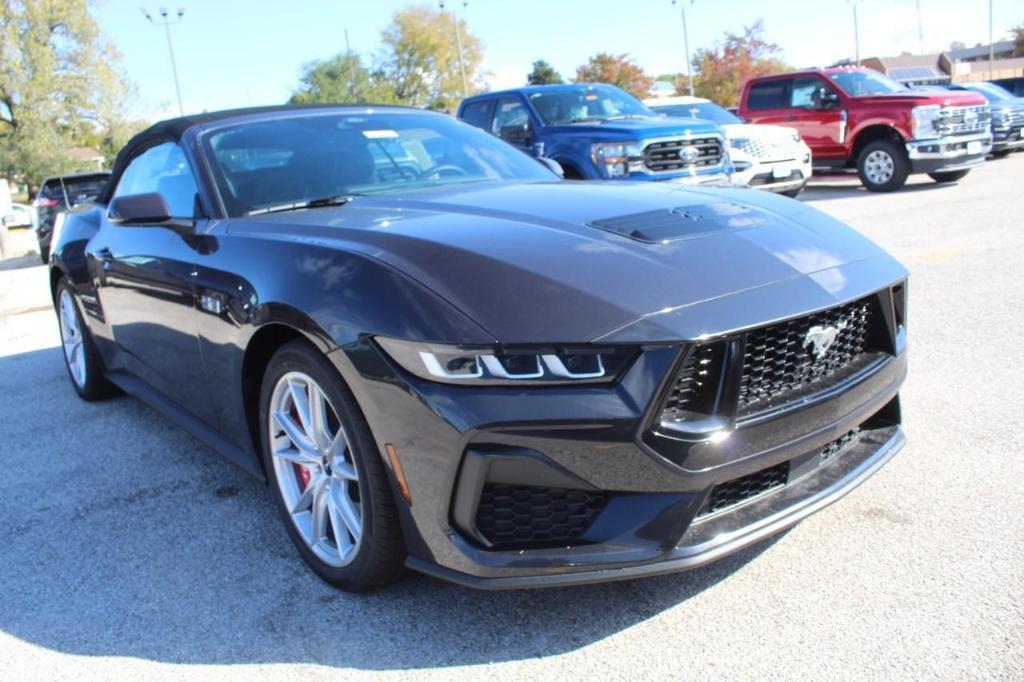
[
  {"x": 956, "y": 66},
  {"x": 912, "y": 69},
  {"x": 86, "y": 157}
]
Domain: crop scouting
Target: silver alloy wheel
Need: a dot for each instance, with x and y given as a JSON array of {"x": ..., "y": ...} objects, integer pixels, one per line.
[
  {"x": 314, "y": 468},
  {"x": 879, "y": 167},
  {"x": 71, "y": 338}
]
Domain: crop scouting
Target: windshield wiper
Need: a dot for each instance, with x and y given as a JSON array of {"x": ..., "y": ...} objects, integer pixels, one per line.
[
  {"x": 622, "y": 117},
  {"x": 319, "y": 202}
]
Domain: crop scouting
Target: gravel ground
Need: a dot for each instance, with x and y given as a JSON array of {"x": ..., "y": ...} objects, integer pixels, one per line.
[{"x": 132, "y": 551}]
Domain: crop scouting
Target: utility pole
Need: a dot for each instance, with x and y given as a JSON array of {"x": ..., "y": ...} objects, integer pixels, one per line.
[
  {"x": 856, "y": 33},
  {"x": 458, "y": 45},
  {"x": 686, "y": 44},
  {"x": 166, "y": 21},
  {"x": 351, "y": 70},
  {"x": 920, "y": 28},
  {"x": 991, "y": 45}
]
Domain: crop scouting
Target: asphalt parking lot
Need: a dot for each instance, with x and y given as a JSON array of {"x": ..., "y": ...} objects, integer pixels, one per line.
[{"x": 130, "y": 550}]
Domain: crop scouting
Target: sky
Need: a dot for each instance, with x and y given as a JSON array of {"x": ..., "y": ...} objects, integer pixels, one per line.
[{"x": 233, "y": 53}]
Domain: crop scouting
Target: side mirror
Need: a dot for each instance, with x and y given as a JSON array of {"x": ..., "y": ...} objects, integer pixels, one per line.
[
  {"x": 144, "y": 209},
  {"x": 552, "y": 166},
  {"x": 829, "y": 100},
  {"x": 518, "y": 134}
]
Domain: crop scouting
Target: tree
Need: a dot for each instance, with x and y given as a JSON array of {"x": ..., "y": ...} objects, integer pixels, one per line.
[
  {"x": 1017, "y": 36},
  {"x": 722, "y": 71},
  {"x": 59, "y": 79},
  {"x": 342, "y": 79},
  {"x": 618, "y": 70},
  {"x": 543, "y": 74},
  {"x": 957, "y": 45},
  {"x": 419, "y": 62}
]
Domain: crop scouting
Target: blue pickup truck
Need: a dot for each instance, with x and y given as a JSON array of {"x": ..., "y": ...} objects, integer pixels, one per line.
[{"x": 597, "y": 131}]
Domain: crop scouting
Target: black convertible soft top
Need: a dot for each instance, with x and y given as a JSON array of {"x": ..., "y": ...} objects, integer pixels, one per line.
[{"x": 171, "y": 130}]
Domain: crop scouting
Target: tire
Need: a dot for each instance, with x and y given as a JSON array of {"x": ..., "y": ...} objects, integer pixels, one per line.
[
  {"x": 883, "y": 166},
  {"x": 81, "y": 358},
  {"x": 1002, "y": 153},
  {"x": 792, "y": 193},
  {"x": 357, "y": 544},
  {"x": 950, "y": 176}
]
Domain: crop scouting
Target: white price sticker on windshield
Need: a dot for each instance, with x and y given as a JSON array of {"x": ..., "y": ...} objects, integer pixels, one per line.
[{"x": 379, "y": 134}]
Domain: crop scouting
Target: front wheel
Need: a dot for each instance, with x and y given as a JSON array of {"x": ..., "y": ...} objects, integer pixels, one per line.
[
  {"x": 1001, "y": 154},
  {"x": 950, "y": 176},
  {"x": 792, "y": 193},
  {"x": 80, "y": 355},
  {"x": 326, "y": 473},
  {"x": 883, "y": 166}
]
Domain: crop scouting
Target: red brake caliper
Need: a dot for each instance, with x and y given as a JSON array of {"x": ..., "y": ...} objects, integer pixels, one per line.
[{"x": 302, "y": 472}]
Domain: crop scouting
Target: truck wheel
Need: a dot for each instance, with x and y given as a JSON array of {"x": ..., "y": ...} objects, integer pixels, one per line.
[
  {"x": 1002, "y": 153},
  {"x": 950, "y": 176},
  {"x": 883, "y": 166}
]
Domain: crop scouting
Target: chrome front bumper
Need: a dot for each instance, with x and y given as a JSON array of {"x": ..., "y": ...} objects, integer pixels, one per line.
[{"x": 945, "y": 148}]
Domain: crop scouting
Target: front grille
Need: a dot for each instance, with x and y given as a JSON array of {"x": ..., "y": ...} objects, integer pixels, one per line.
[
  {"x": 696, "y": 385},
  {"x": 963, "y": 120},
  {"x": 771, "y": 149},
  {"x": 779, "y": 361},
  {"x": 1006, "y": 119},
  {"x": 663, "y": 157},
  {"x": 739, "y": 490},
  {"x": 833, "y": 448},
  {"x": 512, "y": 516}
]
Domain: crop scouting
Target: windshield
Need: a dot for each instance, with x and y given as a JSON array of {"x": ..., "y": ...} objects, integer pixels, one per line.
[
  {"x": 992, "y": 92},
  {"x": 859, "y": 83},
  {"x": 704, "y": 110},
  {"x": 586, "y": 104},
  {"x": 81, "y": 189},
  {"x": 310, "y": 157}
]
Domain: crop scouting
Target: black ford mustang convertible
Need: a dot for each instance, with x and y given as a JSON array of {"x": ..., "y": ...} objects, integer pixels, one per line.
[{"x": 441, "y": 355}]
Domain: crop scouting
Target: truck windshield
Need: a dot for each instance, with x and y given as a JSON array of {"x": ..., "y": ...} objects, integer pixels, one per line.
[
  {"x": 586, "y": 104},
  {"x": 992, "y": 92},
  {"x": 703, "y": 110},
  {"x": 317, "y": 159},
  {"x": 860, "y": 83}
]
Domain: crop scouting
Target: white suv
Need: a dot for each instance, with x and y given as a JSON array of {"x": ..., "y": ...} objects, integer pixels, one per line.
[{"x": 765, "y": 157}]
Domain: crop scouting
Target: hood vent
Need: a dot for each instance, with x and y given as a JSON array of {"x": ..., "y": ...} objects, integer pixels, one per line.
[{"x": 683, "y": 222}]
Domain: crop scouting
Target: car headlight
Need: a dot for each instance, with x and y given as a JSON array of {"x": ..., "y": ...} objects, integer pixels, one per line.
[
  {"x": 506, "y": 365},
  {"x": 617, "y": 159},
  {"x": 924, "y": 121}
]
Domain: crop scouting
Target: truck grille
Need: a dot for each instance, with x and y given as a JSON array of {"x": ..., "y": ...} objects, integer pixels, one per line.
[
  {"x": 771, "y": 149},
  {"x": 780, "y": 362},
  {"x": 668, "y": 156},
  {"x": 529, "y": 516},
  {"x": 1006, "y": 119},
  {"x": 964, "y": 120}
]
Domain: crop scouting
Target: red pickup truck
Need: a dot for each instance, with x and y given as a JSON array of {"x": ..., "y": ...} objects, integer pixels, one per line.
[{"x": 860, "y": 118}]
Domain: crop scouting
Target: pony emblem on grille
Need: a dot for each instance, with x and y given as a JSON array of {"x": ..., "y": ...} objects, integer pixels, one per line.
[{"x": 821, "y": 337}]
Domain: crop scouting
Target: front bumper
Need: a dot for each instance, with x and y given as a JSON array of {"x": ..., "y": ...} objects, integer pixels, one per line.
[
  {"x": 775, "y": 175},
  {"x": 452, "y": 440},
  {"x": 949, "y": 153},
  {"x": 1011, "y": 138}
]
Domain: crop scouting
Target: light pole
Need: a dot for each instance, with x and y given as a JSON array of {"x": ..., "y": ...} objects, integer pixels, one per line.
[
  {"x": 856, "y": 33},
  {"x": 458, "y": 45},
  {"x": 686, "y": 44},
  {"x": 166, "y": 21},
  {"x": 991, "y": 45}
]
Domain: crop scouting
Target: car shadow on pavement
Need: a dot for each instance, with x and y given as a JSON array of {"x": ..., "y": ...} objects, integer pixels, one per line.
[
  {"x": 28, "y": 260},
  {"x": 123, "y": 536},
  {"x": 839, "y": 188}
]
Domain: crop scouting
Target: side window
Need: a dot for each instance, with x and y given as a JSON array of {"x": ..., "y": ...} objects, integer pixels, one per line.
[
  {"x": 165, "y": 170},
  {"x": 52, "y": 190},
  {"x": 478, "y": 113},
  {"x": 806, "y": 92},
  {"x": 510, "y": 112},
  {"x": 767, "y": 95}
]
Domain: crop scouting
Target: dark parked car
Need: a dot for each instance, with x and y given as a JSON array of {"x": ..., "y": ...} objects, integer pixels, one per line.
[
  {"x": 57, "y": 195},
  {"x": 1007, "y": 115},
  {"x": 441, "y": 355}
]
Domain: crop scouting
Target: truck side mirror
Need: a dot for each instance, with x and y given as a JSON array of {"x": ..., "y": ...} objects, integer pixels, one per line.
[
  {"x": 516, "y": 134},
  {"x": 828, "y": 100}
]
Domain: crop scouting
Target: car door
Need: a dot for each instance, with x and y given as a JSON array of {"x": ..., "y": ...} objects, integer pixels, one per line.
[
  {"x": 815, "y": 111},
  {"x": 144, "y": 282}
]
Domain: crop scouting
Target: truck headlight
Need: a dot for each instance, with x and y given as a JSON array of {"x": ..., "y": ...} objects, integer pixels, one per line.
[
  {"x": 507, "y": 365},
  {"x": 924, "y": 121},
  {"x": 616, "y": 159}
]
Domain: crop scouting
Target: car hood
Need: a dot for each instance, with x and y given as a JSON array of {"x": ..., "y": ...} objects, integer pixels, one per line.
[
  {"x": 580, "y": 261},
  {"x": 638, "y": 128},
  {"x": 952, "y": 98}
]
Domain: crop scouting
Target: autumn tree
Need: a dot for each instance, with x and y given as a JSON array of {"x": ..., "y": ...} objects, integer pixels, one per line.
[
  {"x": 722, "y": 70},
  {"x": 543, "y": 74},
  {"x": 618, "y": 70},
  {"x": 419, "y": 65},
  {"x": 59, "y": 83}
]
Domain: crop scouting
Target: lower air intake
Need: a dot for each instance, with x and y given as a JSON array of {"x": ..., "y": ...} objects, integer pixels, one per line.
[
  {"x": 514, "y": 516},
  {"x": 739, "y": 490}
]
